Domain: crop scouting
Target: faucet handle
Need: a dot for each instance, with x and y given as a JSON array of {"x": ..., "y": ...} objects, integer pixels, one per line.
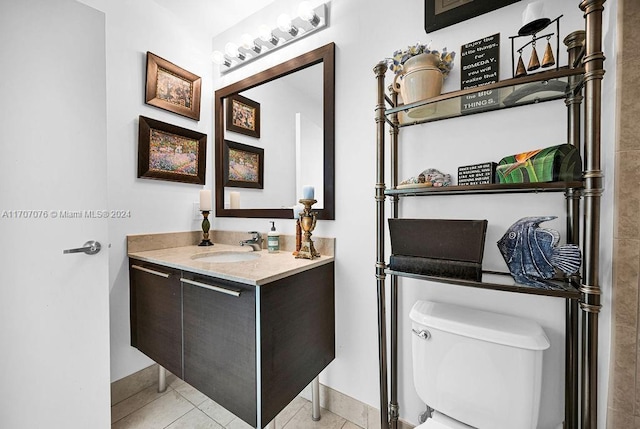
[{"x": 256, "y": 235}]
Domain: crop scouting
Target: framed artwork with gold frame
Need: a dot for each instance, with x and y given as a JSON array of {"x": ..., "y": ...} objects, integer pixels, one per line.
[
  {"x": 172, "y": 88},
  {"x": 243, "y": 115},
  {"x": 169, "y": 152},
  {"x": 243, "y": 165}
]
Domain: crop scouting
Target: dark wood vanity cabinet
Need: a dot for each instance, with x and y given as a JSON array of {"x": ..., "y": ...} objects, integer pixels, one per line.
[
  {"x": 220, "y": 342},
  {"x": 252, "y": 349},
  {"x": 156, "y": 322},
  {"x": 297, "y": 341}
]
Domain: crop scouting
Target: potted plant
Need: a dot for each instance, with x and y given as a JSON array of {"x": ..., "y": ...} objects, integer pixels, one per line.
[{"x": 420, "y": 71}]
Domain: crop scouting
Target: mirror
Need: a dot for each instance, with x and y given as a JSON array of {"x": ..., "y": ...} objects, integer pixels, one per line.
[{"x": 286, "y": 141}]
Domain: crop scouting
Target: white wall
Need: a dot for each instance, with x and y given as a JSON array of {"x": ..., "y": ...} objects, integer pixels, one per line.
[
  {"x": 133, "y": 28},
  {"x": 309, "y": 150},
  {"x": 364, "y": 34}
]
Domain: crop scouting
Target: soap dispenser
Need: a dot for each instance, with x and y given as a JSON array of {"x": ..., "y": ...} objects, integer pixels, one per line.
[{"x": 273, "y": 239}]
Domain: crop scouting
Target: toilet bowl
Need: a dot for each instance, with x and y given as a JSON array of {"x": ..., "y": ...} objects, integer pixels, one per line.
[{"x": 475, "y": 368}]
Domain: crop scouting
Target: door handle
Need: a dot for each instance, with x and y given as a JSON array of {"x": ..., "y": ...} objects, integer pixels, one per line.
[{"x": 90, "y": 248}]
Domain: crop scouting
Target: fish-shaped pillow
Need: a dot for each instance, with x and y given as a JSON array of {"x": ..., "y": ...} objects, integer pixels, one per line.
[{"x": 532, "y": 253}]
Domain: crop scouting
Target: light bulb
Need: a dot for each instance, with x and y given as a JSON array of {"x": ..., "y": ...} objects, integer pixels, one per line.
[
  {"x": 284, "y": 24},
  {"x": 266, "y": 35},
  {"x": 248, "y": 42},
  {"x": 218, "y": 58},
  {"x": 231, "y": 49},
  {"x": 306, "y": 12}
]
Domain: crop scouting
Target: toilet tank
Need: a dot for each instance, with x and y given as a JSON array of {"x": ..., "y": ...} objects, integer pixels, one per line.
[{"x": 480, "y": 368}]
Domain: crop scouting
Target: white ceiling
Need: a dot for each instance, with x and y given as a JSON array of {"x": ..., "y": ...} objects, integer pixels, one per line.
[{"x": 213, "y": 16}]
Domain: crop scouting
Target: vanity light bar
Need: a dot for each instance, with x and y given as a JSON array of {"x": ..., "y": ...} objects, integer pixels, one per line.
[{"x": 309, "y": 21}]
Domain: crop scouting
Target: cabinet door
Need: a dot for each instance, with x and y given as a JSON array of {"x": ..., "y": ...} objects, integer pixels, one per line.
[
  {"x": 156, "y": 316},
  {"x": 219, "y": 342},
  {"x": 297, "y": 322}
]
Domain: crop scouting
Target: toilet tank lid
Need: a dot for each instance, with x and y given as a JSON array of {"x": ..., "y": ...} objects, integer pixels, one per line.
[{"x": 482, "y": 325}]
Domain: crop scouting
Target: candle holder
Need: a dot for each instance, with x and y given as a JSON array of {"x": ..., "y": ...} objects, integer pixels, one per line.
[
  {"x": 205, "y": 229},
  {"x": 307, "y": 224}
]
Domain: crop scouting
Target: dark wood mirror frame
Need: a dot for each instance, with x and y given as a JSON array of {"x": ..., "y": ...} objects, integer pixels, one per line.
[{"x": 324, "y": 55}]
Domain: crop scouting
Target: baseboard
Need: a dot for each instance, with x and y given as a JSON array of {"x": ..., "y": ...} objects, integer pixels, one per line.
[
  {"x": 134, "y": 383},
  {"x": 363, "y": 415}
]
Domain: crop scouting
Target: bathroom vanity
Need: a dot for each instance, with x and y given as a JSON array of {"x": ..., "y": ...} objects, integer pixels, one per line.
[{"x": 249, "y": 334}]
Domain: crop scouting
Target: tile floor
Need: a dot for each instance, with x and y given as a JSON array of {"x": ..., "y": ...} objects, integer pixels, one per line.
[{"x": 183, "y": 407}]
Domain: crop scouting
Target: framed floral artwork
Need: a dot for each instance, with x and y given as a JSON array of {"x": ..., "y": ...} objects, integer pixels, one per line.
[
  {"x": 243, "y": 165},
  {"x": 243, "y": 115},
  {"x": 172, "y": 88},
  {"x": 443, "y": 13},
  {"x": 168, "y": 152}
]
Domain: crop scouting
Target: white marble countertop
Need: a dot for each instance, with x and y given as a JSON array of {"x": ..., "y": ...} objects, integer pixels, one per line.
[{"x": 267, "y": 268}]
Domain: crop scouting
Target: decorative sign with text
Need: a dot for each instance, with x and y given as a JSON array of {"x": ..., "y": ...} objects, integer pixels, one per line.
[
  {"x": 478, "y": 174},
  {"x": 479, "y": 64}
]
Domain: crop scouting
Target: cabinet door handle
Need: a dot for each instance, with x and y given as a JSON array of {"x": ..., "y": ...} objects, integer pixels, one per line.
[
  {"x": 232, "y": 292},
  {"x": 154, "y": 272}
]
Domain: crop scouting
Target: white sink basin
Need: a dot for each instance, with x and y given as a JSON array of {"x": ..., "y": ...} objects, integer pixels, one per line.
[{"x": 226, "y": 256}]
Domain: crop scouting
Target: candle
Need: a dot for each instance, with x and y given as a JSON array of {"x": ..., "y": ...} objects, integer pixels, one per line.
[
  {"x": 234, "y": 198},
  {"x": 297, "y": 209},
  {"x": 205, "y": 200},
  {"x": 533, "y": 11},
  {"x": 307, "y": 192}
]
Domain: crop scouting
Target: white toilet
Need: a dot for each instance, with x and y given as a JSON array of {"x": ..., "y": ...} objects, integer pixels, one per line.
[{"x": 476, "y": 369}]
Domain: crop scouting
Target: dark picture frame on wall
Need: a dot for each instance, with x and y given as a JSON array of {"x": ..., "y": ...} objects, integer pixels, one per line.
[
  {"x": 243, "y": 115},
  {"x": 169, "y": 152},
  {"x": 243, "y": 165},
  {"x": 443, "y": 13},
  {"x": 172, "y": 88}
]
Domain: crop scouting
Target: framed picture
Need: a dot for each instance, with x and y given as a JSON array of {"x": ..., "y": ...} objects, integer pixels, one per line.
[
  {"x": 172, "y": 88},
  {"x": 168, "y": 152},
  {"x": 243, "y": 165},
  {"x": 443, "y": 13},
  {"x": 243, "y": 115}
]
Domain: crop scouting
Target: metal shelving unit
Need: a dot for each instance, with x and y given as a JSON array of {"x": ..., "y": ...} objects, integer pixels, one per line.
[{"x": 580, "y": 87}]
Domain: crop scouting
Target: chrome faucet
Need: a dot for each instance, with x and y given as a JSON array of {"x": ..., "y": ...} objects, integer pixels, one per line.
[{"x": 255, "y": 242}]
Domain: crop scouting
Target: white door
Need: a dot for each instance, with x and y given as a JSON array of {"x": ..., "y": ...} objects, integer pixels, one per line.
[{"x": 54, "y": 307}]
